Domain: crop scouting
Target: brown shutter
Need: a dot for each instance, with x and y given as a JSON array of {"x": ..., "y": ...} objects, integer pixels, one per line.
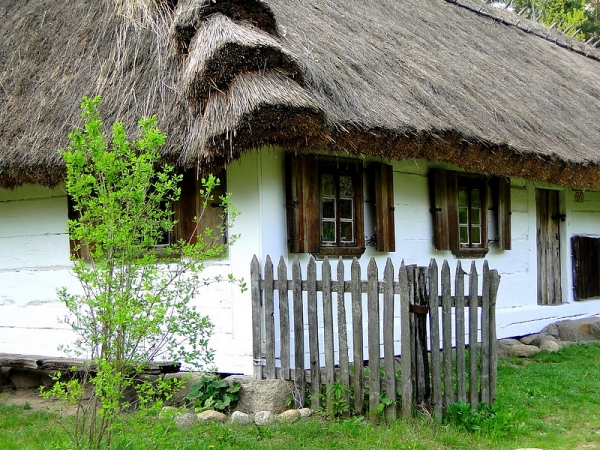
[
  {"x": 504, "y": 213},
  {"x": 384, "y": 207},
  {"x": 586, "y": 266},
  {"x": 302, "y": 203},
  {"x": 444, "y": 209}
]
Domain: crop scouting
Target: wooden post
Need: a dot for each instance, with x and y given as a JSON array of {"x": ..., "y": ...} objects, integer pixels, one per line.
[
  {"x": 313, "y": 335},
  {"x": 421, "y": 310},
  {"x": 373, "y": 338},
  {"x": 269, "y": 321},
  {"x": 389, "y": 380},
  {"x": 298, "y": 332},
  {"x": 357, "y": 335},
  {"x": 406, "y": 376},
  {"x": 460, "y": 333},
  {"x": 434, "y": 325},
  {"x": 494, "y": 284},
  {"x": 447, "y": 335},
  {"x": 485, "y": 334},
  {"x": 328, "y": 329},
  {"x": 284, "y": 320},
  {"x": 256, "y": 318},
  {"x": 343, "y": 332},
  {"x": 473, "y": 346}
]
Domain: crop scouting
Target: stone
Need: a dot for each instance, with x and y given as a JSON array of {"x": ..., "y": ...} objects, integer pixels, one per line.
[
  {"x": 579, "y": 330},
  {"x": 305, "y": 412},
  {"x": 4, "y": 377},
  {"x": 241, "y": 418},
  {"x": 262, "y": 395},
  {"x": 550, "y": 346},
  {"x": 551, "y": 330},
  {"x": 25, "y": 379},
  {"x": 211, "y": 416},
  {"x": 531, "y": 339},
  {"x": 504, "y": 346},
  {"x": 289, "y": 416},
  {"x": 523, "y": 351},
  {"x": 185, "y": 420},
  {"x": 262, "y": 418}
]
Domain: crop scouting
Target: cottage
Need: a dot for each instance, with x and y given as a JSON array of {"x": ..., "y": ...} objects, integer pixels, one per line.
[{"x": 408, "y": 129}]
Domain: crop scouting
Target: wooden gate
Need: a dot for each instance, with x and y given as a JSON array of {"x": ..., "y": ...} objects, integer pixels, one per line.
[{"x": 408, "y": 314}]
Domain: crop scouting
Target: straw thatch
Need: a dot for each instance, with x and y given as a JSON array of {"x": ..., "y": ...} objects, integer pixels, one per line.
[{"x": 444, "y": 80}]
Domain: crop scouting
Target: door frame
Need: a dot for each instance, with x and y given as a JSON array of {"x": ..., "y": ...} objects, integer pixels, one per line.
[{"x": 548, "y": 243}]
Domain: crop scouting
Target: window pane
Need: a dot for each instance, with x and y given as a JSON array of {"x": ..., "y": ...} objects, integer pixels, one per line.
[
  {"x": 475, "y": 216},
  {"x": 346, "y": 186},
  {"x": 328, "y": 232},
  {"x": 463, "y": 217},
  {"x": 464, "y": 235},
  {"x": 462, "y": 197},
  {"x": 346, "y": 232},
  {"x": 346, "y": 208},
  {"x": 475, "y": 235},
  {"x": 475, "y": 197},
  {"x": 327, "y": 185},
  {"x": 328, "y": 208}
]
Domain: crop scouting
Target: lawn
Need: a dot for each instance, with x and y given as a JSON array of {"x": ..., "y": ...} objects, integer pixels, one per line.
[{"x": 550, "y": 401}]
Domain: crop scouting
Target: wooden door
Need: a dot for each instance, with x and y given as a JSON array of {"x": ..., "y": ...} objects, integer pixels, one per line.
[{"x": 548, "y": 247}]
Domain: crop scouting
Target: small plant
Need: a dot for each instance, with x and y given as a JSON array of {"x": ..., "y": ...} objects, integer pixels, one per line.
[
  {"x": 211, "y": 392},
  {"x": 489, "y": 419},
  {"x": 337, "y": 396},
  {"x": 26, "y": 406}
]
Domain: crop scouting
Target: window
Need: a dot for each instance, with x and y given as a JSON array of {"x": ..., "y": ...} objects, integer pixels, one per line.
[
  {"x": 325, "y": 207},
  {"x": 586, "y": 266},
  {"x": 460, "y": 212}
]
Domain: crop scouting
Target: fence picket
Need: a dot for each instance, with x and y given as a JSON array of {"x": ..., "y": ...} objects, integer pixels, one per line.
[
  {"x": 447, "y": 335},
  {"x": 256, "y": 318},
  {"x": 494, "y": 284},
  {"x": 434, "y": 325},
  {"x": 373, "y": 337},
  {"x": 357, "y": 334},
  {"x": 269, "y": 321},
  {"x": 421, "y": 357},
  {"x": 459, "y": 315},
  {"x": 343, "y": 333},
  {"x": 313, "y": 333},
  {"x": 298, "y": 332},
  {"x": 473, "y": 325},
  {"x": 485, "y": 335},
  {"x": 284, "y": 320},
  {"x": 405, "y": 361},
  {"x": 389, "y": 380},
  {"x": 328, "y": 328}
]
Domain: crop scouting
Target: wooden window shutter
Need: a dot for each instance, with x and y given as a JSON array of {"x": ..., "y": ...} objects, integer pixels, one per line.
[
  {"x": 586, "y": 266},
  {"x": 302, "y": 203},
  {"x": 444, "y": 208},
  {"x": 383, "y": 176},
  {"x": 504, "y": 213}
]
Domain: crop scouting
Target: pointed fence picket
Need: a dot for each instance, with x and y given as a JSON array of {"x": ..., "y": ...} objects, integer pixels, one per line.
[{"x": 433, "y": 356}]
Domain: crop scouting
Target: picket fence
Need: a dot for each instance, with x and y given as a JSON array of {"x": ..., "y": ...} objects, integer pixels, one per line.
[{"x": 433, "y": 356}]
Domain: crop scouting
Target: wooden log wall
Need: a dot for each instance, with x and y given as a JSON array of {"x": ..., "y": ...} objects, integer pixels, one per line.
[{"x": 437, "y": 366}]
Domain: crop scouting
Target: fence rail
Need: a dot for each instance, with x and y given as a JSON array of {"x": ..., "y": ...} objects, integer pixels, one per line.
[{"x": 433, "y": 362}]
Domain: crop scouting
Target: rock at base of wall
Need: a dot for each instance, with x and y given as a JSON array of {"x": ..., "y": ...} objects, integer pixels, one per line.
[
  {"x": 185, "y": 420},
  {"x": 211, "y": 416},
  {"x": 523, "y": 351},
  {"x": 289, "y": 416},
  {"x": 262, "y": 418},
  {"x": 579, "y": 330},
  {"x": 241, "y": 418},
  {"x": 25, "y": 379},
  {"x": 262, "y": 395}
]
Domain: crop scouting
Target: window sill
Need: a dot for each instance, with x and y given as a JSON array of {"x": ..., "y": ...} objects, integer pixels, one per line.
[
  {"x": 471, "y": 253},
  {"x": 344, "y": 252}
]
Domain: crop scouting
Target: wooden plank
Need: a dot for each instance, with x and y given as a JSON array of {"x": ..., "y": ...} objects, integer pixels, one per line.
[
  {"x": 384, "y": 207},
  {"x": 256, "y": 318},
  {"x": 343, "y": 334},
  {"x": 284, "y": 320},
  {"x": 421, "y": 356},
  {"x": 298, "y": 332},
  {"x": 459, "y": 315},
  {"x": 313, "y": 335},
  {"x": 328, "y": 330},
  {"x": 485, "y": 334},
  {"x": 494, "y": 284},
  {"x": 373, "y": 339},
  {"x": 447, "y": 336},
  {"x": 504, "y": 213},
  {"x": 405, "y": 361},
  {"x": 269, "y": 306},
  {"x": 357, "y": 336},
  {"x": 473, "y": 346},
  {"x": 434, "y": 325},
  {"x": 389, "y": 378},
  {"x": 410, "y": 273}
]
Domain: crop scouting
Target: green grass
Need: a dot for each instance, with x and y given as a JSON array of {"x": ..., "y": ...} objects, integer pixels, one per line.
[{"x": 550, "y": 401}]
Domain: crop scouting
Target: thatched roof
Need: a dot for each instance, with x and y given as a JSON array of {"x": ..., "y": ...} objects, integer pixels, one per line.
[{"x": 445, "y": 80}]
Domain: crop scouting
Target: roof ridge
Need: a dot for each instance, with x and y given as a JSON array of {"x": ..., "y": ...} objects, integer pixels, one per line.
[{"x": 530, "y": 30}]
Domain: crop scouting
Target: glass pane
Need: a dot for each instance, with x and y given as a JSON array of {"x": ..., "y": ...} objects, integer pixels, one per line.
[
  {"x": 346, "y": 234},
  {"x": 475, "y": 198},
  {"x": 475, "y": 216},
  {"x": 462, "y": 197},
  {"x": 475, "y": 235},
  {"x": 463, "y": 217},
  {"x": 328, "y": 208},
  {"x": 345, "y": 186},
  {"x": 327, "y": 186},
  {"x": 328, "y": 232},
  {"x": 464, "y": 235},
  {"x": 346, "y": 208}
]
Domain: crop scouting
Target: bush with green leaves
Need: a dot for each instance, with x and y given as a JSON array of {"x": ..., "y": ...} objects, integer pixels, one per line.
[
  {"x": 137, "y": 302},
  {"x": 212, "y": 392}
]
